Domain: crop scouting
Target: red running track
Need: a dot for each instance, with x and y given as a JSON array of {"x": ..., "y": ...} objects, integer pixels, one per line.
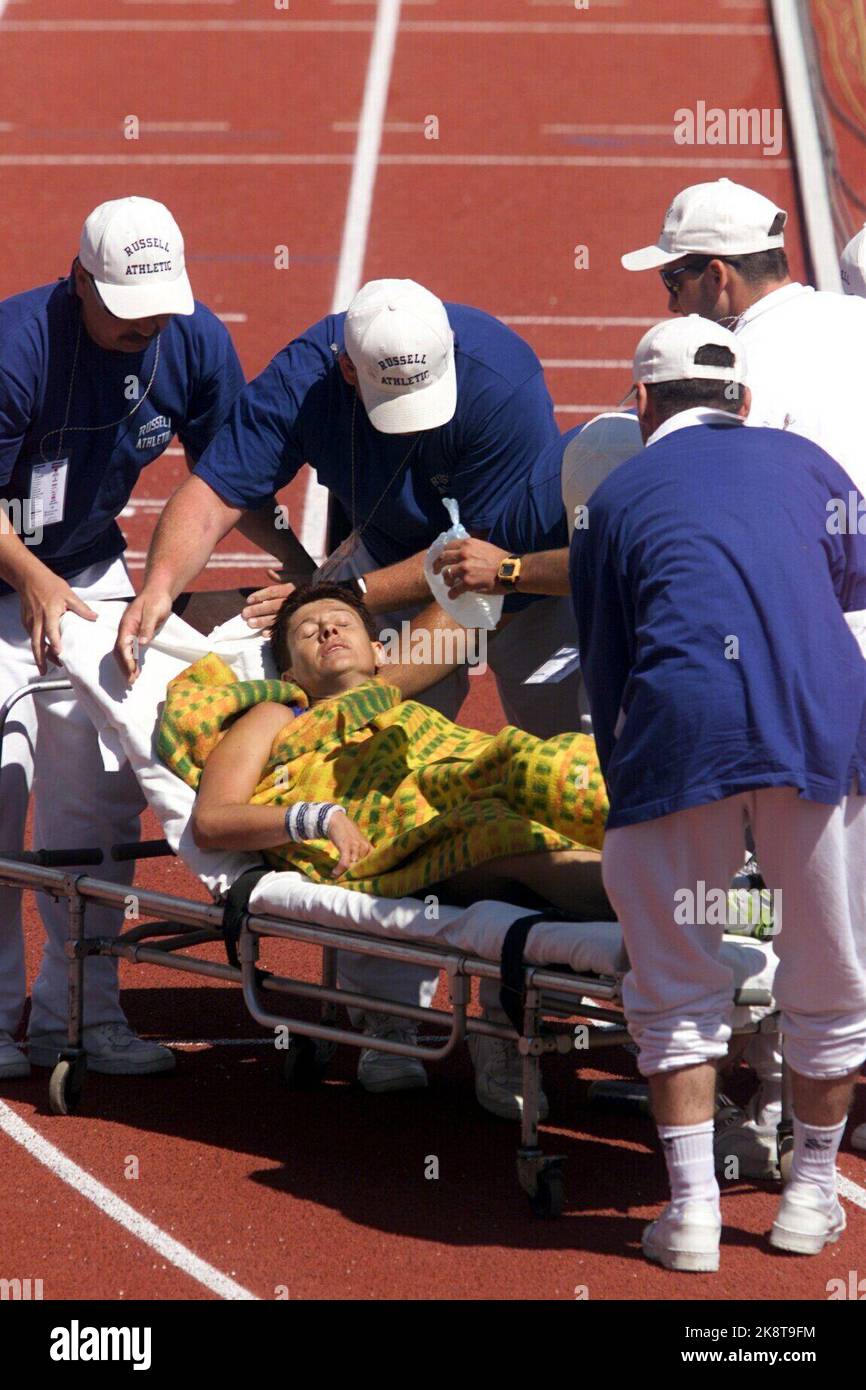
[{"x": 554, "y": 132}]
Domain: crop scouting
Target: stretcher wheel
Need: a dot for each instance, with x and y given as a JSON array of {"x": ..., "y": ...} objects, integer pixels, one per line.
[
  {"x": 786, "y": 1156},
  {"x": 66, "y": 1085},
  {"x": 549, "y": 1195},
  {"x": 306, "y": 1062}
]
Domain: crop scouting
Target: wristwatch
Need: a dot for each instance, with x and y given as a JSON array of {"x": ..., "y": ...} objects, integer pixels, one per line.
[{"x": 509, "y": 571}]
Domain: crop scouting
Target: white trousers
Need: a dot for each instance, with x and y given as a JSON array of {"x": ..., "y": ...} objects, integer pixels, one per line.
[
  {"x": 677, "y": 995},
  {"x": 529, "y": 640},
  {"x": 50, "y": 746}
]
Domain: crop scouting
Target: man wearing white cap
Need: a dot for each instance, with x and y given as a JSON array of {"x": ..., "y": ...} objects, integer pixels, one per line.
[
  {"x": 708, "y": 566},
  {"x": 98, "y": 372},
  {"x": 721, "y": 254},
  {"x": 397, "y": 403},
  {"x": 852, "y": 265}
]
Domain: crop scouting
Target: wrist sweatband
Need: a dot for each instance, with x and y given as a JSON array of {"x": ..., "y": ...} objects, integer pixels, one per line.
[{"x": 309, "y": 820}]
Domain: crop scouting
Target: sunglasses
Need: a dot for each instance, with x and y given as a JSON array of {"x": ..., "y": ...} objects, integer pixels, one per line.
[{"x": 670, "y": 278}]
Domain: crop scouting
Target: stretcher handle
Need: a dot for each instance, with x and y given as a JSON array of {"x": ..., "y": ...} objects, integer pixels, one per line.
[
  {"x": 55, "y": 858},
  {"x": 141, "y": 849}
]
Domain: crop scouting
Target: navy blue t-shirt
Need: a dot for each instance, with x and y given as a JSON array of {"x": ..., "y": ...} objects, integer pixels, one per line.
[
  {"x": 299, "y": 410},
  {"x": 197, "y": 379},
  {"x": 710, "y": 594}
]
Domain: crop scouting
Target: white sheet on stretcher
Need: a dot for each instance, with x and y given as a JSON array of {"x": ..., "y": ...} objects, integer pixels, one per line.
[{"x": 127, "y": 720}]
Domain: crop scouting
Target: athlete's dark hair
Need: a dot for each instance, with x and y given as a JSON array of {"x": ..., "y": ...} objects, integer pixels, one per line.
[
  {"x": 312, "y": 593},
  {"x": 670, "y": 397}
]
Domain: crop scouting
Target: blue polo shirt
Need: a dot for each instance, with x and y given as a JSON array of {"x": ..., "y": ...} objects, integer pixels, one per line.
[
  {"x": 198, "y": 377},
  {"x": 710, "y": 589},
  {"x": 300, "y": 411},
  {"x": 533, "y": 517}
]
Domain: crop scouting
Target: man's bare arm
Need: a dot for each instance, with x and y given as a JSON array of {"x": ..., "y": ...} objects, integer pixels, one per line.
[
  {"x": 191, "y": 526},
  {"x": 397, "y": 586},
  {"x": 193, "y": 523},
  {"x": 447, "y": 640},
  {"x": 260, "y": 527},
  {"x": 472, "y": 567}
]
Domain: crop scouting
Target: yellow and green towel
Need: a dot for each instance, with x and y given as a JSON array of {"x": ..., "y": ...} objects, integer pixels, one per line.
[{"x": 432, "y": 797}]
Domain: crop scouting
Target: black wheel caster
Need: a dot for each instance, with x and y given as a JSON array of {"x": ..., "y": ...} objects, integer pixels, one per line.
[
  {"x": 66, "y": 1084},
  {"x": 306, "y": 1062},
  {"x": 547, "y": 1201}
]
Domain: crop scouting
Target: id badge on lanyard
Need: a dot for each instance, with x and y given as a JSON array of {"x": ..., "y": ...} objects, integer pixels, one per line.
[
  {"x": 48, "y": 491},
  {"x": 338, "y": 564}
]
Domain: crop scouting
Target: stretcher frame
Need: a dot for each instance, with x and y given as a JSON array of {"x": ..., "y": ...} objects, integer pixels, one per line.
[{"x": 550, "y": 996}]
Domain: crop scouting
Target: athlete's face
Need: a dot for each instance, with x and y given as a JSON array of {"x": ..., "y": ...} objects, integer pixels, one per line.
[
  {"x": 105, "y": 328},
  {"x": 330, "y": 648}
]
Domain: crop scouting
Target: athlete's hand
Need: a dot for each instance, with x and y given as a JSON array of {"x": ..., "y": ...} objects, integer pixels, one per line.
[
  {"x": 471, "y": 566},
  {"x": 139, "y": 624},
  {"x": 44, "y": 600},
  {"x": 344, "y": 833},
  {"x": 263, "y": 606}
]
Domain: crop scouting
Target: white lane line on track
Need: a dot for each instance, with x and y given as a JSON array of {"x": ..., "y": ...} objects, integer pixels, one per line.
[
  {"x": 580, "y": 28},
  {"x": 360, "y": 202},
  {"x": 191, "y": 127},
  {"x": 388, "y": 127},
  {"x": 114, "y": 1207},
  {"x": 852, "y": 1190},
  {"x": 590, "y": 363},
  {"x": 582, "y": 409},
  {"x": 356, "y": 225},
  {"x": 481, "y": 161},
  {"x": 228, "y": 318},
  {"x": 581, "y": 320},
  {"x": 580, "y": 128}
]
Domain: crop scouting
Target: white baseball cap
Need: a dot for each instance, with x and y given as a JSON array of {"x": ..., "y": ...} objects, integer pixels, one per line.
[
  {"x": 133, "y": 248},
  {"x": 593, "y": 453},
  {"x": 401, "y": 344},
  {"x": 713, "y": 219},
  {"x": 667, "y": 352},
  {"x": 852, "y": 264}
]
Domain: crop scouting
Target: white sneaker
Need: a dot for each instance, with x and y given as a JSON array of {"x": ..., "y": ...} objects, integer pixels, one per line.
[
  {"x": 112, "y": 1048},
  {"x": 685, "y": 1237},
  {"x": 804, "y": 1223},
  {"x": 499, "y": 1078},
  {"x": 13, "y": 1063},
  {"x": 738, "y": 1135},
  {"x": 386, "y": 1071},
  {"x": 858, "y": 1138}
]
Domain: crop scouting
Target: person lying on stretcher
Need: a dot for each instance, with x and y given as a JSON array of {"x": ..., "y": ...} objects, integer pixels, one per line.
[{"x": 401, "y": 801}]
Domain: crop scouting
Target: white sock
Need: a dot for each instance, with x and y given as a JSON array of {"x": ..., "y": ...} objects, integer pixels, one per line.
[
  {"x": 688, "y": 1151},
  {"x": 814, "y": 1161}
]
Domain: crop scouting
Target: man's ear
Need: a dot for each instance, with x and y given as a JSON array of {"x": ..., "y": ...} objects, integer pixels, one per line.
[
  {"x": 745, "y": 404},
  {"x": 379, "y": 651},
  {"x": 80, "y": 277},
  {"x": 347, "y": 367}
]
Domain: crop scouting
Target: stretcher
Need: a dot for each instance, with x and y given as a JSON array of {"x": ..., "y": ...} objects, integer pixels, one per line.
[{"x": 562, "y": 979}]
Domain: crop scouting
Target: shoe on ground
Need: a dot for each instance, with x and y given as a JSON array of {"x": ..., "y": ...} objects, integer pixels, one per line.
[
  {"x": 111, "y": 1048},
  {"x": 387, "y": 1071},
  {"x": 13, "y": 1063},
  {"x": 499, "y": 1077},
  {"x": 685, "y": 1237},
  {"x": 739, "y": 1135},
  {"x": 858, "y": 1138},
  {"x": 804, "y": 1223}
]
